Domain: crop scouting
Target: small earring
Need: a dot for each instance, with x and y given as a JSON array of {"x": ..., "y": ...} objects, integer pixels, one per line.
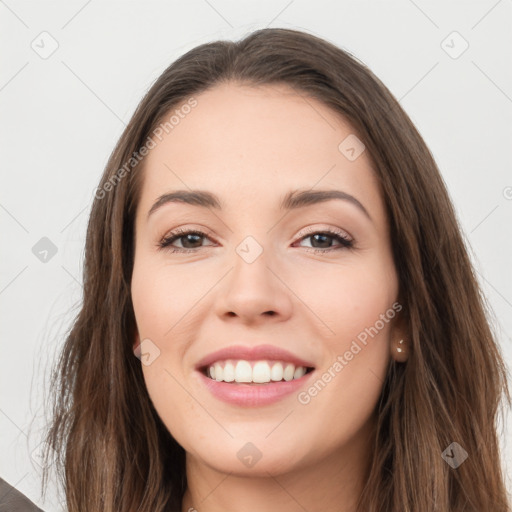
[{"x": 400, "y": 349}]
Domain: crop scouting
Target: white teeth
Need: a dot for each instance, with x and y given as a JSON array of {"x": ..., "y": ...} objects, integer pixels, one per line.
[
  {"x": 288, "y": 372},
  {"x": 243, "y": 372},
  {"x": 276, "y": 374},
  {"x": 299, "y": 372},
  {"x": 260, "y": 372},
  {"x": 219, "y": 372},
  {"x": 229, "y": 372}
]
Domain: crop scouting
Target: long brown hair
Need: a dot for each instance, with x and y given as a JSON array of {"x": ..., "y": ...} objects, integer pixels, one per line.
[{"x": 114, "y": 452}]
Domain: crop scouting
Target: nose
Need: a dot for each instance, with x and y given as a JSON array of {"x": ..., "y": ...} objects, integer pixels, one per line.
[{"x": 253, "y": 293}]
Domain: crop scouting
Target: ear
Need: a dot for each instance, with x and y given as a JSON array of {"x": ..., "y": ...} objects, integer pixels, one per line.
[
  {"x": 400, "y": 342},
  {"x": 400, "y": 350}
]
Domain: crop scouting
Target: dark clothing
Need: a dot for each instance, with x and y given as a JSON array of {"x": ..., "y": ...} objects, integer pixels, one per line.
[{"x": 12, "y": 500}]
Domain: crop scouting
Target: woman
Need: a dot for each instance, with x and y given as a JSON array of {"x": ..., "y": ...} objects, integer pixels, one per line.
[{"x": 272, "y": 239}]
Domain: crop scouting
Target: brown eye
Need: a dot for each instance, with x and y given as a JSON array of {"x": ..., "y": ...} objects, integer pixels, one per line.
[
  {"x": 322, "y": 241},
  {"x": 189, "y": 240}
]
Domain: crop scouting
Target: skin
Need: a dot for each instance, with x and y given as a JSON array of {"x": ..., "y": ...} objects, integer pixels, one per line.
[{"x": 250, "y": 146}]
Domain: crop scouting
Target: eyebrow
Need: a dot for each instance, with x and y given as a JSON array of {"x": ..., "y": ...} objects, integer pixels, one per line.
[{"x": 291, "y": 201}]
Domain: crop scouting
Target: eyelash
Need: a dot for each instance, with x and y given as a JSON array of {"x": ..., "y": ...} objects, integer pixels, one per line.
[{"x": 165, "y": 243}]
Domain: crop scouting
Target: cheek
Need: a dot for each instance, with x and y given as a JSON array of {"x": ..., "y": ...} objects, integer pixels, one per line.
[
  {"x": 357, "y": 305},
  {"x": 162, "y": 295},
  {"x": 349, "y": 299},
  {"x": 162, "y": 300}
]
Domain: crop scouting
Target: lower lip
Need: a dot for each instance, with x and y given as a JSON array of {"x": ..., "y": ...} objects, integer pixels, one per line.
[{"x": 253, "y": 395}]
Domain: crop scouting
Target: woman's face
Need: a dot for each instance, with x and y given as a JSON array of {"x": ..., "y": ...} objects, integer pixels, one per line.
[{"x": 312, "y": 277}]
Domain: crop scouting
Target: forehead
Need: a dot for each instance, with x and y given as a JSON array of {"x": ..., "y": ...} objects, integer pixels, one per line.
[{"x": 243, "y": 142}]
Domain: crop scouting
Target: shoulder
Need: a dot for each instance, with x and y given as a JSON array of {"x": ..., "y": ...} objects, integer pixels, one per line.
[{"x": 11, "y": 500}]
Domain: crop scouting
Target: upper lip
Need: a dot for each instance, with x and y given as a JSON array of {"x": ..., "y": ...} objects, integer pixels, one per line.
[{"x": 253, "y": 353}]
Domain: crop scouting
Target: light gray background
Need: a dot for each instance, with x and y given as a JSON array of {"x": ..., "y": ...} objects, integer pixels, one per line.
[{"x": 61, "y": 116}]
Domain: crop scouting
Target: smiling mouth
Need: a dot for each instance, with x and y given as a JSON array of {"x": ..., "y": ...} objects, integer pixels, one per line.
[{"x": 254, "y": 372}]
